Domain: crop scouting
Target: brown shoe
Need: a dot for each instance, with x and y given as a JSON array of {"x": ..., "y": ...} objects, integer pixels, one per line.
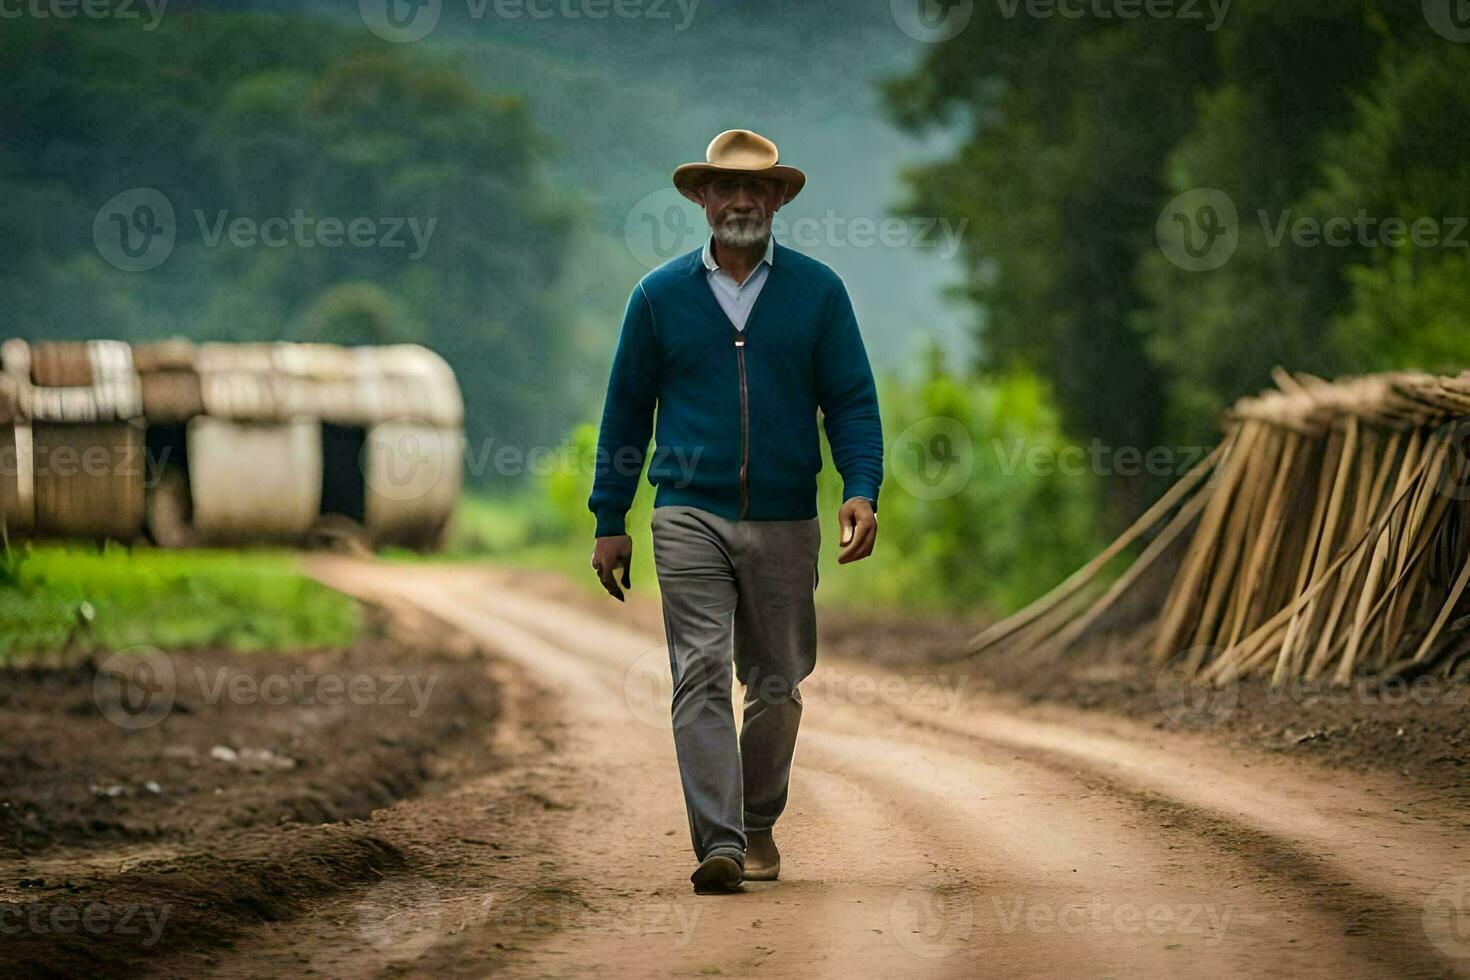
[
  {"x": 717, "y": 874},
  {"x": 762, "y": 860}
]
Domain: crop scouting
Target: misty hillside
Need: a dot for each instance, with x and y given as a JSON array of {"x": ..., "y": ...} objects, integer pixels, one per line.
[{"x": 628, "y": 100}]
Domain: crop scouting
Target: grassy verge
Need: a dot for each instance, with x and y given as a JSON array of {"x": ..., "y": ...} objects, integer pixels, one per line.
[{"x": 250, "y": 600}]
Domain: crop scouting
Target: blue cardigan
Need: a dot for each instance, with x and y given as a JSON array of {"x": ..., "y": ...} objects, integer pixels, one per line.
[{"x": 737, "y": 411}]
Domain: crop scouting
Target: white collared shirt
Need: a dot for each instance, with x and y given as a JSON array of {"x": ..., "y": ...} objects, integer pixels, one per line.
[{"x": 737, "y": 299}]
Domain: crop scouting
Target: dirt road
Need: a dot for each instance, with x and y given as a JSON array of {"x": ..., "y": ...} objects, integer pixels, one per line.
[{"x": 933, "y": 829}]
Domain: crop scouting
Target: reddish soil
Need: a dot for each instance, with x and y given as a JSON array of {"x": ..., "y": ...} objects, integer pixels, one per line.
[
  {"x": 521, "y": 816},
  {"x": 1418, "y": 730},
  {"x": 244, "y": 801},
  {"x": 937, "y": 828}
]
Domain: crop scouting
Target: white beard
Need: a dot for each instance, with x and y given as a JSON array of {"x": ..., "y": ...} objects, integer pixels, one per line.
[{"x": 742, "y": 231}]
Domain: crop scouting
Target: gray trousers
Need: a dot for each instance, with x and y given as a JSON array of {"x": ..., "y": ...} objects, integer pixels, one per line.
[{"x": 735, "y": 592}]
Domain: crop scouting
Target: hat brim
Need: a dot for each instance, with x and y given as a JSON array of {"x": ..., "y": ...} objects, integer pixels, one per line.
[{"x": 688, "y": 177}]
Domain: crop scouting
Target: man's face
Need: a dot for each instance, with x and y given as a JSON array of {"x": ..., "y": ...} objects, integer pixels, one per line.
[{"x": 739, "y": 209}]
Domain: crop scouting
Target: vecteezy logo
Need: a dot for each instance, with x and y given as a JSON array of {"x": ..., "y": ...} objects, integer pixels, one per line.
[
  {"x": 662, "y": 225},
  {"x": 1199, "y": 230},
  {"x": 404, "y": 458},
  {"x": 933, "y": 458},
  {"x": 1446, "y": 916},
  {"x": 649, "y": 688},
  {"x": 401, "y": 919},
  {"x": 400, "y": 21},
  {"x": 931, "y": 21},
  {"x": 134, "y": 231},
  {"x": 134, "y": 688},
  {"x": 1450, "y": 19},
  {"x": 1189, "y": 700},
  {"x": 932, "y": 923}
]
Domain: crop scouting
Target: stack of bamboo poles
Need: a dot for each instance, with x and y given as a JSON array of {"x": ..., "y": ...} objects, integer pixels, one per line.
[{"x": 1327, "y": 536}]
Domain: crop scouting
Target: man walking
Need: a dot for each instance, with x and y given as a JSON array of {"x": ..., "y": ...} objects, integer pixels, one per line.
[{"x": 737, "y": 344}]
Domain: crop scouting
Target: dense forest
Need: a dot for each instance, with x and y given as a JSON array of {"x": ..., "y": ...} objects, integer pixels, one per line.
[{"x": 1350, "y": 117}]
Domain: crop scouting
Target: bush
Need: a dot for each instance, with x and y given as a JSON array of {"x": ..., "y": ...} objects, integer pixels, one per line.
[{"x": 967, "y": 516}]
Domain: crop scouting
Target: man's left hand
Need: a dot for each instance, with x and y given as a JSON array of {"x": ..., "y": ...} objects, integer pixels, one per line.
[{"x": 858, "y": 526}]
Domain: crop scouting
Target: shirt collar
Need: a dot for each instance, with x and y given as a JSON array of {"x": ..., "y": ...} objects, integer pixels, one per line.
[{"x": 711, "y": 265}]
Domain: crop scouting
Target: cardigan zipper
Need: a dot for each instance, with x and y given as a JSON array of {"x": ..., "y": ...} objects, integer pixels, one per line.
[{"x": 744, "y": 425}]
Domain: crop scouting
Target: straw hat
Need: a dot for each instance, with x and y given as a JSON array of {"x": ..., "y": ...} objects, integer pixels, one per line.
[{"x": 739, "y": 151}]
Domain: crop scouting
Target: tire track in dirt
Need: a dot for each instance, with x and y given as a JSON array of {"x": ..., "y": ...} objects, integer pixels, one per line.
[
  {"x": 909, "y": 822},
  {"x": 1364, "y": 848},
  {"x": 1088, "y": 863}
]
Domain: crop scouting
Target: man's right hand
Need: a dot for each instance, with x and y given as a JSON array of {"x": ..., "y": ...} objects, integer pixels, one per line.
[{"x": 611, "y": 553}]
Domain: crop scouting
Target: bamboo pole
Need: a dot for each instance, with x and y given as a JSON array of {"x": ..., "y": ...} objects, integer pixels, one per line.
[
  {"x": 1335, "y": 502},
  {"x": 1456, "y": 591},
  {"x": 1370, "y": 506},
  {"x": 1251, "y": 643},
  {"x": 1084, "y": 575},
  {"x": 1313, "y": 542},
  {"x": 1160, "y": 544},
  {"x": 1195, "y": 567},
  {"x": 1432, "y": 503},
  {"x": 1268, "y": 537},
  {"x": 1225, "y": 568}
]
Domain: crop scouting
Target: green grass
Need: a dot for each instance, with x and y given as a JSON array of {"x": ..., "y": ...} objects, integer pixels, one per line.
[
  {"x": 243, "y": 600},
  {"x": 484, "y": 525}
]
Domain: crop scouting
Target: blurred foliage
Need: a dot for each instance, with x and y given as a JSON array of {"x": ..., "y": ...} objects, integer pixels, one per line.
[
  {"x": 258, "y": 116},
  {"x": 1080, "y": 132},
  {"x": 169, "y": 600},
  {"x": 1408, "y": 155},
  {"x": 13, "y": 557},
  {"x": 988, "y": 540}
]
